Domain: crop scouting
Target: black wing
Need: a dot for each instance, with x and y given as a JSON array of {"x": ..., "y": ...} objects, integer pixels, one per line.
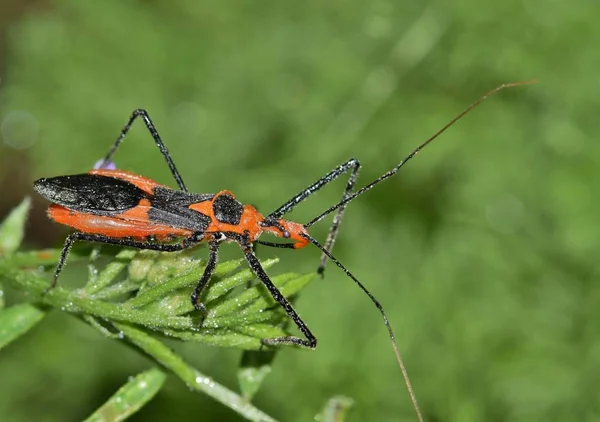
[
  {"x": 90, "y": 193},
  {"x": 104, "y": 195},
  {"x": 172, "y": 207}
]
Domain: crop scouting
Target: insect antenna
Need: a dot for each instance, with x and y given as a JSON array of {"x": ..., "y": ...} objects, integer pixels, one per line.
[
  {"x": 411, "y": 392},
  {"x": 393, "y": 171}
]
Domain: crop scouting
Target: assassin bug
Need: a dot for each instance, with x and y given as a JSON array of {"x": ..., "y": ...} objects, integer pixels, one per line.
[{"x": 122, "y": 208}]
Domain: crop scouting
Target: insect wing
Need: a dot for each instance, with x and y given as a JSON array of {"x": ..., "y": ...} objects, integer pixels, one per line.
[{"x": 91, "y": 193}]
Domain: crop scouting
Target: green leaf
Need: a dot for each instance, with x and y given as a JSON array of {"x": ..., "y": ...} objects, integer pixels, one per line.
[
  {"x": 191, "y": 376},
  {"x": 215, "y": 289},
  {"x": 254, "y": 368},
  {"x": 256, "y": 365},
  {"x": 109, "y": 273},
  {"x": 244, "y": 337},
  {"x": 35, "y": 285},
  {"x": 12, "y": 228},
  {"x": 236, "y": 317},
  {"x": 252, "y": 301},
  {"x": 335, "y": 410},
  {"x": 17, "y": 320},
  {"x": 130, "y": 397}
]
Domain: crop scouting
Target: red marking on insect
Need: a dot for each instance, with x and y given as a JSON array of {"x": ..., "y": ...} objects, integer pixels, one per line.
[{"x": 118, "y": 207}]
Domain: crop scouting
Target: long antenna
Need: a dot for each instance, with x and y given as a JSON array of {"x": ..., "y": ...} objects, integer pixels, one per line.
[
  {"x": 415, "y": 151},
  {"x": 409, "y": 387}
]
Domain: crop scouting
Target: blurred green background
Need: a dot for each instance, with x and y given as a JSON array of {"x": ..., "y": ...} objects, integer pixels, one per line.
[{"x": 483, "y": 250}]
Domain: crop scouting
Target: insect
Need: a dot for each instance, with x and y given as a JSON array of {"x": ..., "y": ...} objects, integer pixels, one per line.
[{"x": 123, "y": 208}]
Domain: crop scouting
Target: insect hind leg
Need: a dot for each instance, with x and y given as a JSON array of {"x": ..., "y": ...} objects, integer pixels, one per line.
[
  {"x": 157, "y": 140},
  {"x": 61, "y": 261}
]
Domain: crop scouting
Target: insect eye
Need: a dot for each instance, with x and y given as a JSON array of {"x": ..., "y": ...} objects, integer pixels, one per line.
[{"x": 286, "y": 234}]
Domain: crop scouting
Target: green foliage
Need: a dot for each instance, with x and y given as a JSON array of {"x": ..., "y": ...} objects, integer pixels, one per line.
[
  {"x": 483, "y": 251},
  {"x": 335, "y": 410},
  {"x": 130, "y": 397},
  {"x": 16, "y": 321},
  {"x": 233, "y": 318},
  {"x": 12, "y": 228}
]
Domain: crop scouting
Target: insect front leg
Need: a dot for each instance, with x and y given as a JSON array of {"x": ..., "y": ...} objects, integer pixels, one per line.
[
  {"x": 310, "y": 341},
  {"x": 337, "y": 219},
  {"x": 157, "y": 139},
  {"x": 352, "y": 165}
]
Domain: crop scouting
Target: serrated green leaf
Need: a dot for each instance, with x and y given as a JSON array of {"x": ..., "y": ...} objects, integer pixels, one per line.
[
  {"x": 248, "y": 299},
  {"x": 116, "y": 290},
  {"x": 108, "y": 274},
  {"x": 178, "y": 302},
  {"x": 130, "y": 397},
  {"x": 256, "y": 365},
  {"x": 35, "y": 285},
  {"x": 250, "y": 303},
  {"x": 247, "y": 337},
  {"x": 219, "y": 338},
  {"x": 260, "y": 318},
  {"x": 169, "y": 265},
  {"x": 142, "y": 264},
  {"x": 17, "y": 320},
  {"x": 218, "y": 290},
  {"x": 12, "y": 228},
  {"x": 274, "y": 316},
  {"x": 158, "y": 291}
]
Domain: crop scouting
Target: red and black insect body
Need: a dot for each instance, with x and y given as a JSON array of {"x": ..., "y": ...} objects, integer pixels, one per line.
[{"x": 126, "y": 209}]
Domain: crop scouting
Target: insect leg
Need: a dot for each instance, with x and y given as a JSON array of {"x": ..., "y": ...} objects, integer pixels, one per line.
[
  {"x": 161, "y": 247},
  {"x": 208, "y": 272},
  {"x": 63, "y": 258},
  {"x": 157, "y": 139},
  {"x": 272, "y": 245},
  {"x": 337, "y": 219},
  {"x": 351, "y": 165},
  {"x": 311, "y": 340}
]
